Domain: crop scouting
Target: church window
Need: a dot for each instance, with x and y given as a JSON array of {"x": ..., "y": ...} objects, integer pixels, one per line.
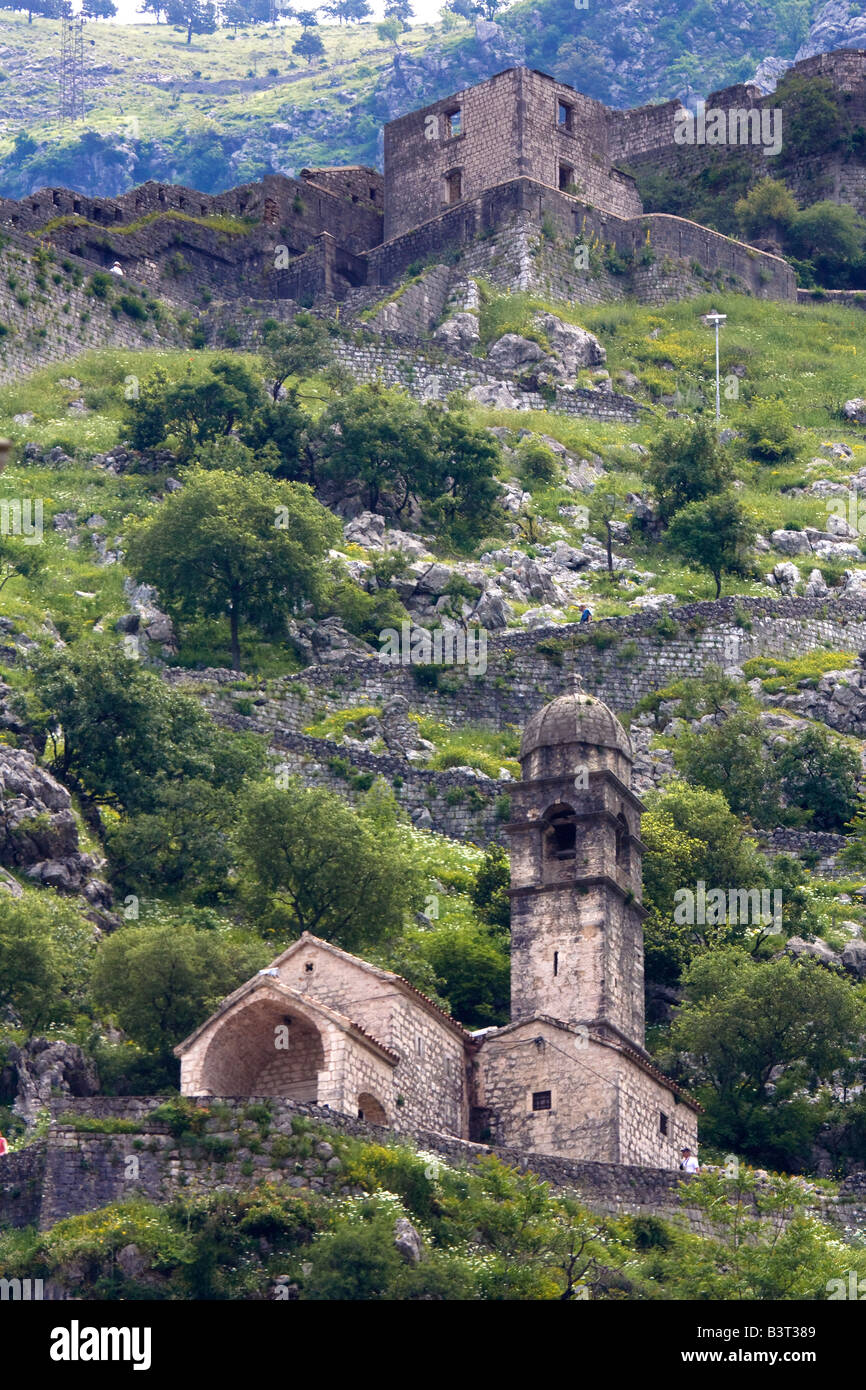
[
  {"x": 663, "y": 1122},
  {"x": 541, "y": 1100},
  {"x": 309, "y": 967},
  {"x": 419, "y": 1046},
  {"x": 622, "y": 841},
  {"x": 556, "y": 962},
  {"x": 454, "y": 186}
]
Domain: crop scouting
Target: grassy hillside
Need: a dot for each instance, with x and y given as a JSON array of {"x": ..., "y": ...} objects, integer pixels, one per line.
[{"x": 230, "y": 107}]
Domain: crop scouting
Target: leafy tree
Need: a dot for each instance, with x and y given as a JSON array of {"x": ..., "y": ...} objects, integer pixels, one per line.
[
  {"x": 731, "y": 757},
  {"x": 821, "y": 774},
  {"x": 126, "y": 733},
  {"x": 399, "y": 9},
  {"x": 489, "y": 892},
  {"x": 348, "y": 11},
  {"x": 161, "y": 980},
  {"x": 196, "y": 16},
  {"x": 194, "y": 411},
  {"x": 384, "y": 440},
  {"x": 300, "y": 349},
  {"x": 182, "y": 843},
  {"x": 463, "y": 483},
  {"x": 758, "y": 1241},
  {"x": 473, "y": 971},
  {"x": 45, "y": 958},
  {"x": 309, "y": 45},
  {"x": 19, "y": 559},
  {"x": 276, "y": 433},
  {"x": 537, "y": 463},
  {"x": 686, "y": 464},
  {"x": 831, "y": 236},
  {"x": 99, "y": 9},
  {"x": 691, "y": 836},
  {"x": 248, "y": 548},
  {"x": 43, "y": 9},
  {"x": 389, "y": 31},
  {"x": 758, "y": 1039},
  {"x": 238, "y": 12},
  {"x": 311, "y": 863},
  {"x": 714, "y": 534},
  {"x": 768, "y": 209},
  {"x": 813, "y": 120},
  {"x": 602, "y": 513}
]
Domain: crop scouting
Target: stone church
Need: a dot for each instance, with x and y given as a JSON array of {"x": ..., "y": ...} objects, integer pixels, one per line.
[{"x": 569, "y": 1075}]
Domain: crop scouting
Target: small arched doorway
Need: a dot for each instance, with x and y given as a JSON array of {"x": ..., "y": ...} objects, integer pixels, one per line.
[{"x": 371, "y": 1109}]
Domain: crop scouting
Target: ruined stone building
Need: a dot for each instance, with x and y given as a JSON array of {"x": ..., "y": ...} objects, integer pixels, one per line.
[
  {"x": 520, "y": 149},
  {"x": 569, "y": 1075}
]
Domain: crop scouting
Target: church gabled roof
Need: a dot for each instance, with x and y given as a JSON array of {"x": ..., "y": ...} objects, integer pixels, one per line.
[
  {"x": 307, "y": 939},
  {"x": 574, "y": 718}
]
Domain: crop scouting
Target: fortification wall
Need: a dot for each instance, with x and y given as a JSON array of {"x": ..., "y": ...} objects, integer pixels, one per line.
[
  {"x": 673, "y": 243},
  {"x": 74, "y": 1171},
  {"x": 621, "y": 660}
]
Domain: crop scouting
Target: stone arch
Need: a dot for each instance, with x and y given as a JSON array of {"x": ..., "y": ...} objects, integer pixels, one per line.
[
  {"x": 265, "y": 1048},
  {"x": 371, "y": 1109},
  {"x": 560, "y": 832}
]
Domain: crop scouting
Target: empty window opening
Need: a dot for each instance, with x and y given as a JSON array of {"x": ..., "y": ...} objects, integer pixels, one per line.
[
  {"x": 561, "y": 834},
  {"x": 309, "y": 967},
  {"x": 566, "y": 177},
  {"x": 663, "y": 1122},
  {"x": 541, "y": 1100},
  {"x": 453, "y": 122},
  {"x": 419, "y": 1046},
  {"x": 622, "y": 842},
  {"x": 564, "y": 115},
  {"x": 373, "y": 194},
  {"x": 556, "y": 962},
  {"x": 454, "y": 186}
]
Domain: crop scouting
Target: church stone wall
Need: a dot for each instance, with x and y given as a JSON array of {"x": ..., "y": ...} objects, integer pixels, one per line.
[
  {"x": 603, "y": 1106},
  {"x": 430, "y": 1076}
]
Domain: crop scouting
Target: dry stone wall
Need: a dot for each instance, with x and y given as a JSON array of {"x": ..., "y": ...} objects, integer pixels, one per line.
[{"x": 74, "y": 1171}]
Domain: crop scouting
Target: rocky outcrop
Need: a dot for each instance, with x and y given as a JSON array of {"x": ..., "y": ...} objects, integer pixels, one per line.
[
  {"x": 39, "y": 1071},
  {"x": 39, "y": 832}
]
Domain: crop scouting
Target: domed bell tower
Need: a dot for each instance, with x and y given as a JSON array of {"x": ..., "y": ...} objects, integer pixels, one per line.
[{"x": 576, "y": 916}]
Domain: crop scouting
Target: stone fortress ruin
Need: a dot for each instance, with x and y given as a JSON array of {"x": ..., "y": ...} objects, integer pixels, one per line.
[
  {"x": 569, "y": 1076},
  {"x": 518, "y": 154}
]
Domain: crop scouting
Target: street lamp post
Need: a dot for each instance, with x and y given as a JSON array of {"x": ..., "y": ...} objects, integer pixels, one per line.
[{"x": 716, "y": 319}]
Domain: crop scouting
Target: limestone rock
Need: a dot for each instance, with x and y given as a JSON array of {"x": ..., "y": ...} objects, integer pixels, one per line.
[
  {"x": 407, "y": 1241},
  {"x": 574, "y": 347},
  {"x": 496, "y": 394},
  {"x": 790, "y": 542},
  {"x": 460, "y": 331},
  {"x": 39, "y": 1069}
]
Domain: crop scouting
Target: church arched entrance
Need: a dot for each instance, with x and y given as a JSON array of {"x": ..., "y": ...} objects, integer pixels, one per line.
[
  {"x": 265, "y": 1050},
  {"x": 371, "y": 1109}
]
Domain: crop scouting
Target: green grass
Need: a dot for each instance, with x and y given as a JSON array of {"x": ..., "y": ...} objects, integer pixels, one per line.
[{"x": 777, "y": 675}]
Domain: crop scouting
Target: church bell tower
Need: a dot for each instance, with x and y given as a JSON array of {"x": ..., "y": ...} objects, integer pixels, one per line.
[{"x": 576, "y": 916}]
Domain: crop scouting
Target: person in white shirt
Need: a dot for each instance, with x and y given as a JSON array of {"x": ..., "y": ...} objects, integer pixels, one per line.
[{"x": 688, "y": 1163}]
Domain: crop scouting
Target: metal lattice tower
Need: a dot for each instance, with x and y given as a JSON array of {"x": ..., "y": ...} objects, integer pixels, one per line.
[{"x": 71, "y": 67}]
